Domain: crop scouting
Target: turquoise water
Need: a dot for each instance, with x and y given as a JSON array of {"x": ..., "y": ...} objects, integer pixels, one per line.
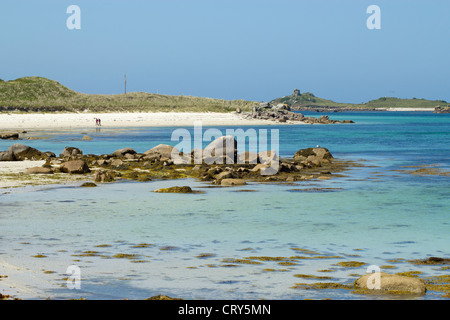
[{"x": 373, "y": 214}]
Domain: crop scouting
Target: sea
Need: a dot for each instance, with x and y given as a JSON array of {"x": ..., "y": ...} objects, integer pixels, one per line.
[{"x": 258, "y": 241}]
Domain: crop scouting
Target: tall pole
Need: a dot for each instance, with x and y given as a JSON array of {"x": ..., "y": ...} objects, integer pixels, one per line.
[{"x": 125, "y": 80}]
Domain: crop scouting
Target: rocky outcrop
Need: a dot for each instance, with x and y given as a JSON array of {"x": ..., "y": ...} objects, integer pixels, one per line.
[
  {"x": 381, "y": 282},
  {"x": 282, "y": 113},
  {"x": 440, "y": 109},
  {"x": 313, "y": 157}
]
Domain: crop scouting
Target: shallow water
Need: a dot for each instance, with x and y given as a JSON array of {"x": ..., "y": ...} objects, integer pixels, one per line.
[{"x": 181, "y": 244}]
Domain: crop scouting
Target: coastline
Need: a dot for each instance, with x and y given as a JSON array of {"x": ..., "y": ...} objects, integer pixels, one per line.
[{"x": 14, "y": 121}]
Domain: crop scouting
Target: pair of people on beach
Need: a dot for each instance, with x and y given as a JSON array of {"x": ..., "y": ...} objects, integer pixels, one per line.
[{"x": 98, "y": 122}]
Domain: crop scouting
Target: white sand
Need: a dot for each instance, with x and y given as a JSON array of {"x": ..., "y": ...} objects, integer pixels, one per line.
[
  {"x": 406, "y": 109},
  {"x": 86, "y": 120}
]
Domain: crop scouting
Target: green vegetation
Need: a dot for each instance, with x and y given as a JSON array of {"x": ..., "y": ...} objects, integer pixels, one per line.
[
  {"x": 309, "y": 100},
  {"x": 36, "y": 94}
]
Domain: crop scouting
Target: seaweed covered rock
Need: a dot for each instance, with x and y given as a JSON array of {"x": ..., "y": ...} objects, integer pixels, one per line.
[
  {"x": 381, "y": 282},
  {"x": 23, "y": 152},
  {"x": 314, "y": 157},
  {"x": 184, "y": 189},
  {"x": 71, "y": 152},
  {"x": 122, "y": 152},
  {"x": 103, "y": 176}
]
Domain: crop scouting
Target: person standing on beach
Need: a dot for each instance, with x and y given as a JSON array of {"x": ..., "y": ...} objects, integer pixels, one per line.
[{"x": 99, "y": 122}]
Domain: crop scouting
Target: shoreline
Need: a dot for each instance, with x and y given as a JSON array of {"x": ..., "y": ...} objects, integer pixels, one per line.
[{"x": 14, "y": 121}]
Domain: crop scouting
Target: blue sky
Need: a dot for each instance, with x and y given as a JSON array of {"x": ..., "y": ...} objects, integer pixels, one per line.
[{"x": 248, "y": 49}]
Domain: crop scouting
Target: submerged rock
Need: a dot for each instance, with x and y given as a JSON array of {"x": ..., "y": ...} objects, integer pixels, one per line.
[
  {"x": 391, "y": 283},
  {"x": 184, "y": 189},
  {"x": 233, "y": 182}
]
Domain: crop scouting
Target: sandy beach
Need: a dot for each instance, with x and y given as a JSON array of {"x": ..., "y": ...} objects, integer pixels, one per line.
[{"x": 14, "y": 121}]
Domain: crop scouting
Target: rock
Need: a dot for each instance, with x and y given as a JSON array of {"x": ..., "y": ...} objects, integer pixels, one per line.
[
  {"x": 103, "y": 176},
  {"x": 75, "y": 167},
  {"x": 9, "y": 135},
  {"x": 391, "y": 283},
  {"x": 225, "y": 146},
  {"x": 184, "y": 189},
  {"x": 116, "y": 162},
  {"x": 248, "y": 157},
  {"x": 267, "y": 157},
  {"x": 259, "y": 167},
  {"x": 39, "y": 170},
  {"x": 310, "y": 154},
  {"x": 122, "y": 152},
  {"x": 88, "y": 185},
  {"x": 86, "y": 138},
  {"x": 238, "y": 110},
  {"x": 23, "y": 152},
  {"x": 233, "y": 182},
  {"x": 71, "y": 152},
  {"x": 162, "y": 150},
  {"x": 224, "y": 175},
  {"x": 7, "y": 156}
]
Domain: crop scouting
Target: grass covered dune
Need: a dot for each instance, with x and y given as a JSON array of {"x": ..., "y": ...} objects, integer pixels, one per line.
[{"x": 37, "y": 94}]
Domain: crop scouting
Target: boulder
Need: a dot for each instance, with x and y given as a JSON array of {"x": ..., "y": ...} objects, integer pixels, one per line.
[
  {"x": 23, "y": 152},
  {"x": 233, "y": 182},
  {"x": 310, "y": 154},
  {"x": 391, "y": 283},
  {"x": 184, "y": 189},
  {"x": 225, "y": 146},
  {"x": 224, "y": 175},
  {"x": 86, "y": 138},
  {"x": 267, "y": 157},
  {"x": 7, "y": 156},
  {"x": 71, "y": 152},
  {"x": 103, "y": 176},
  {"x": 248, "y": 157},
  {"x": 39, "y": 170},
  {"x": 9, "y": 135},
  {"x": 122, "y": 152},
  {"x": 75, "y": 167},
  {"x": 162, "y": 151}
]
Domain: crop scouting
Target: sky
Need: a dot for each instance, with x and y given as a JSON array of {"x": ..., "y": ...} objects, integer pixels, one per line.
[{"x": 255, "y": 50}]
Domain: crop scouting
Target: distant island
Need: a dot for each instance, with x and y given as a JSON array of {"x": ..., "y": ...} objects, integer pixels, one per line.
[
  {"x": 308, "y": 101},
  {"x": 38, "y": 94}
]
